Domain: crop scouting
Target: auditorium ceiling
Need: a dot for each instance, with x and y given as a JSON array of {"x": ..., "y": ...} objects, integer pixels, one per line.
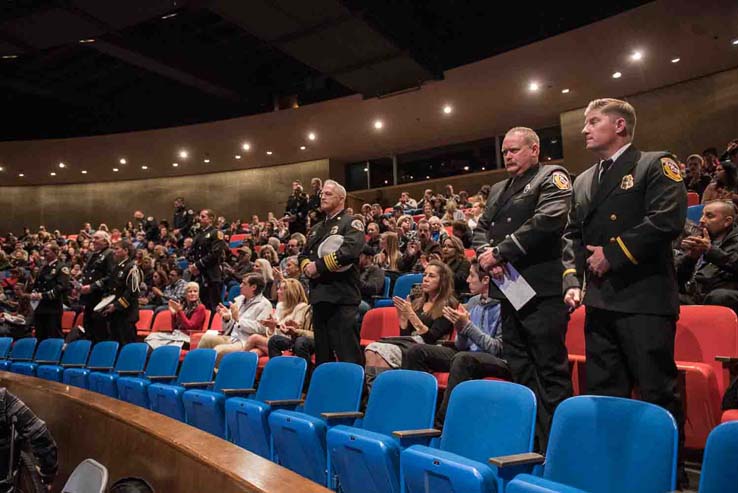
[{"x": 141, "y": 79}]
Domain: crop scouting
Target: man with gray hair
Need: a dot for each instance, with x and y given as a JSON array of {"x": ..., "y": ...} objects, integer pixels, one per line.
[
  {"x": 94, "y": 282},
  {"x": 522, "y": 225},
  {"x": 330, "y": 261}
]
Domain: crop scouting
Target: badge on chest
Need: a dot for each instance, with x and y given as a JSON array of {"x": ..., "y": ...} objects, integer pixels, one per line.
[{"x": 627, "y": 182}]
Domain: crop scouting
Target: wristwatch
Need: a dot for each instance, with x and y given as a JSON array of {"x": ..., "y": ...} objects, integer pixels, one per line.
[{"x": 496, "y": 253}]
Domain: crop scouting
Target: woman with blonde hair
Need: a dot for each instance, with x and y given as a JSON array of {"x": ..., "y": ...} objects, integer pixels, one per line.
[
  {"x": 452, "y": 213},
  {"x": 389, "y": 251},
  {"x": 289, "y": 325},
  {"x": 264, "y": 267},
  {"x": 268, "y": 252},
  {"x": 188, "y": 317}
]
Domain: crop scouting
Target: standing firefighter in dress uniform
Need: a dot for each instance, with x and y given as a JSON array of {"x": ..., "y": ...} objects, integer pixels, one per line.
[
  {"x": 95, "y": 277},
  {"x": 207, "y": 256},
  {"x": 334, "y": 278},
  {"x": 618, "y": 260},
  {"x": 125, "y": 282},
  {"x": 522, "y": 225},
  {"x": 50, "y": 288}
]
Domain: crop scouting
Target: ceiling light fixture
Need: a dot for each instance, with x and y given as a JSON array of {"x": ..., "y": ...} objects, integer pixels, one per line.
[
  {"x": 448, "y": 109},
  {"x": 246, "y": 146},
  {"x": 9, "y": 57},
  {"x": 466, "y": 168},
  {"x": 302, "y": 148},
  {"x": 122, "y": 160},
  {"x": 636, "y": 56},
  {"x": 115, "y": 170},
  {"x": 169, "y": 16},
  {"x": 86, "y": 41},
  {"x": 62, "y": 165},
  {"x": 378, "y": 124},
  {"x": 366, "y": 170},
  {"x": 144, "y": 167},
  {"x": 2, "y": 169},
  {"x": 237, "y": 156},
  {"x": 175, "y": 164},
  {"x": 269, "y": 153},
  {"x": 52, "y": 173},
  {"x": 565, "y": 91},
  {"x": 617, "y": 75},
  {"x": 311, "y": 136},
  {"x": 84, "y": 171},
  {"x": 183, "y": 154},
  {"x": 427, "y": 177},
  {"x": 534, "y": 86},
  {"x": 734, "y": 42},
  {"x": 675, "y": 60},
  {"x": 206, "y": 161},
  {"x": 21, "y": 175}
]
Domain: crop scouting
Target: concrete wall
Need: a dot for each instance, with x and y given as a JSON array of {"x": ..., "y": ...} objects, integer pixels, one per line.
[
  {"x": 234, "y": 194},
  {"x": 684, "y": 118}
]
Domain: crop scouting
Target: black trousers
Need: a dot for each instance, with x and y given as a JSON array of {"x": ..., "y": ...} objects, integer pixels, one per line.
[
  {"x": 718, "y": 297},
  {"x": 96, "y": 327},
  {"x": 303, "y": 347},
  {"x": 535, "y": 350},
  {"x": 627, "y": 350},
  {"x": 122, "y": 329},
  {"x": 211, "y": 295},
  {"x": 336, "y": 333},
  {"x": 461, "y": 365},
  {"x": 48, "y": 325}
]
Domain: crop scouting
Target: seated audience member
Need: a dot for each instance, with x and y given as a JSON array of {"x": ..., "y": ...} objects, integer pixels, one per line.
[
  {"x": 174, "y": 290},
  {"x": 461, "y": 230},
  {"x": 263, "y": 267},
  {"x": 477, "y": 351},
  {"x": 269, "y": 253},
  {"x": 235, "y": 269},
  {"x": 131, "y": 485},
  {"x": 371, "y": 280},
  {"x": 725, "y": 184},
  {"x": 187, "y": 317},
  {"x": 290, "y": 328},
  {"x": 242, "y": 319},
  {"x": 406, "y": 203},
  {"x": 438, "y": 233},
  {"x": 421, "y": 321},
  {"x": 452, "y": 254},
  {"x": 293, "y": 247},
  {"x": 405, "y": 231},
  {"x": 389, "y": 251},
  {"x": 372, "y": 232},
  {"x": 428, "y": 210},
  {"x": 427, "y": 196},
  {"x": 30, "y": 431},
  {"x": 696, "y": 181},
  {"x": 452, "y": 213},
  {"x": 731, "y": 152},
  {"x": 149, "y": 299},
  {"x": 475, "y": 213},
  {"x": 708, "y": 269}
]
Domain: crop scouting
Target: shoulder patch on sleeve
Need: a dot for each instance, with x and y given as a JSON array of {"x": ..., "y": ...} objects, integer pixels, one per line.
[
  {"x": 358, "y": 225},
  {"x": 561, "y": 181},
  {"x": 220, "y": 235},
  {"x": 65, "y": 270},
  {"x": 671, "y": 169}
]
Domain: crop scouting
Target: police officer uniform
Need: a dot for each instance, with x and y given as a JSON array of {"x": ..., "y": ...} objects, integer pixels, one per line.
[
  {"x": 53, "y": 284},
  {"x": 297, "y": 208},
  {"x": 124, "y": 283},
  {"x": 313, "y": 207},
  {"x": 207, "y": 254},
  {"x": 334, "y": 294},
  {"x": 96, "y": 273},
  {"x": 633, "y": 210},
  {"x": 522, "y": 222},
  {"x": 183, "y": 218}
]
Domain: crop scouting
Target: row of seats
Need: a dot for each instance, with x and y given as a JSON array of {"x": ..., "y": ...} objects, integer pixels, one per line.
[{"x": 148, "y": 321}]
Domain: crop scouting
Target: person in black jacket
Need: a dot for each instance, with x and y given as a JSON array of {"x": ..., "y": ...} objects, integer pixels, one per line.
[
  {"x": 207, "y": 257},
  {"x": 522, "y": 225},
  {"x": 50, "y": 289},
  {"x": 183, "y": 217},
  {"x": 94, "y": 281},
  {"x": 29, "y": 429},
  {"x": 124, "y": 283},
  {"x": 708, "y": 268}
]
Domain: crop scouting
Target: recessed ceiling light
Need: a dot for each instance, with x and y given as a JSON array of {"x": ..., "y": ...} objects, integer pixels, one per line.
[
  {"x": 386, "y": 182},
  {"x": 2, "y": 169},
  {"x": 206, "y": 161},
  {"x": 617, "y": 75},
  {"x": 483, "y": 168},
  {"x": 115, "y": 170},
  {"x": 237, "y": 156},
  {"x": 366, "y": 170},
  {"x": 9, "y": 57},
  {"x": 86, "y": 41},
  {"x": 246, "y": 146},
  {"x": 52, "y": 173},
  {"x": 302, "y": 148},
  {"x": 734, "y": 42},
  {"x": 675, "y": 60},
  {"x": 144, "y": 167},
  {"x": 636, "y": 56},
  {"x": 84, "y": 171},
  {"x": 21, "y": 175},
  {"x": 169, "y": 16},
  {"x": 311, "y": 136},
  {"x": 183, "y": 154},
  {"x": 534, "y": 86},
  {"x": 427, "y": 177},
  {"x": 122, "y": 160},
  {"x": 62, "y": 165},
  {"x": 466, "y": 168},
  {"x": 175, "y": 164},
  {"x": 269, "y": 153},
  {"x": 565, "y": 91},
  {"x": 447, "y": 109},
  {"x": 378, "y": 124}
]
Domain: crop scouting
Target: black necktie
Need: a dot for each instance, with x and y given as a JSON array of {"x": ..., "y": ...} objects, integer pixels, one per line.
[{"x": 604, "y": 167}]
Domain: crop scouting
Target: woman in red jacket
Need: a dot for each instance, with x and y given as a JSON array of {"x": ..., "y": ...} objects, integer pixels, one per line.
[{"x": 187, "y": 317}]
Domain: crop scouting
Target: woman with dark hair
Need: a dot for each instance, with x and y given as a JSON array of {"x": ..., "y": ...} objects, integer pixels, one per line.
[
  {"x": 725, "y": 185},
  {"x": 452, "y": 254},
  {"x": 421, "y": 320}
]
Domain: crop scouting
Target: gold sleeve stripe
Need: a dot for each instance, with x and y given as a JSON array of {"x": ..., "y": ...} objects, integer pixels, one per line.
[
  {"x": 304, "y": 263},
  {"x": 626, "y": 251},
  {"x": 334, "y": 259},
  {"x": 123, "y": 302},
  {"x": 329, "y": 262},
  {"x": 569, "y": 271}
]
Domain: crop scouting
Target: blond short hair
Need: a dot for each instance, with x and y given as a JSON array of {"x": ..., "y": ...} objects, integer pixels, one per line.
[
  {"x": 529, "y": 135},
  {"x": 618, "y": 107},
  {"x": 192, "y": 285}
]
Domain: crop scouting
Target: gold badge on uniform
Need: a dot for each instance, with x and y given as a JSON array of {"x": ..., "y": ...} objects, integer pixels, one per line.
[
  {"x": 334, "y": 230},
  {"x": 561, "y": 181},
  {"x": 65, "y": 270},
  {"x": 527, "y": 188},
  {"x": 671, "y": 169},
  {"x": 358, "y": 225},
  {"x": 627, "y": 182},
  {"x": 220, "y": 235},
  {"x": 207, "y": 235}
]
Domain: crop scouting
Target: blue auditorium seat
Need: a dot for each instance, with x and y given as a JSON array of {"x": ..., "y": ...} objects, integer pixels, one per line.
[
  {"x": 5, "y": 344},
  {"x": 605, "y": 445},
  {"x": 197, "y": 369},
  {"x": 299, "y": 436},
  {"x": 162, "y": 367},
  {"x": 75, "y": 356},
  {"x": 720, "y": 462},
  {"x": 246, "y": 418},
  {"x": 485, "y": 419},
  {"x": 205, "y": 408},
  {"x": 22, "y": 351},
  {"x": 694, "y": 212},
  {"x": 365, "y": 457},
  {"x": 131, "y": 361},
  {"x": 102, "y": 359},
  {"x": 48, "y": 353},
  {"x": 402, "y": 288}
]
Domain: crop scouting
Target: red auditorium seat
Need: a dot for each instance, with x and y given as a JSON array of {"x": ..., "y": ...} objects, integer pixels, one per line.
[
  {"x": 693, "y": 199},
  {"x": 217, "y": 323},
  {"x": 143, "y": 326},
  {"x": 730, "y": 415},
  {"x": 575, "y": 347},
  {"x": 68, "y": 320},
  {"x": 449, "y": 230},
  {"x": 162, "y": 322},
  {"x": 71, "y": 237},
  {"x": 237, "y": 237},
  {"x": 469, "y": 253},
  {"x": 80, "y": 320},
  {"x": 418, "y": 217},
  {"x": 378, "y": 323}
]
